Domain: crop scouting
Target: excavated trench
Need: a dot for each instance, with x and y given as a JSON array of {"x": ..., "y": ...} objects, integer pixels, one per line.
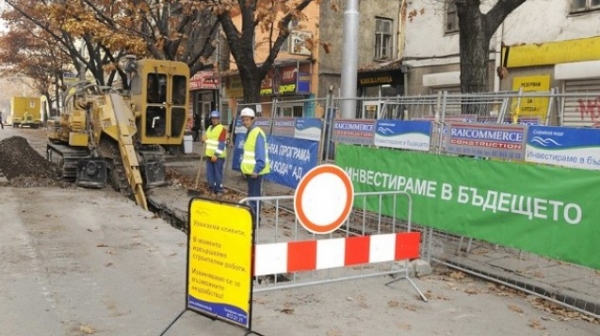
[
  {"x": 24, "y": 167},
  {"x": 170, "y": 216}
]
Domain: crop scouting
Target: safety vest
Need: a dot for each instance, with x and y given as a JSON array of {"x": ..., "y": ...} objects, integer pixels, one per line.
[
  {"x": 212, "y": 141},
  {"x": 249, "y": 156}
]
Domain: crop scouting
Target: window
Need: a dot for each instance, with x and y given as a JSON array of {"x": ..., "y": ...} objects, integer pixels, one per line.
[
  {"x": 156, "y": 121},
  {"x": 156, "y": 91},
  {"x": 451, "y": 18},
  {"x": 178, "y": 115},
  {"x": 584, "y": 5},
  {"x": 290, "y": 110},
  {"x": 383, "y": 39},
  {"x": 180, "y": 91}
]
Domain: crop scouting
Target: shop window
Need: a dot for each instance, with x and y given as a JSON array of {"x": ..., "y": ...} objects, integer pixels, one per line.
[
  {"x": 295, "y": 111},
  {"x": 584, "y": 5},
  {"x": 383, "y": 39},
  {"x": 451, "y": 18},
  {"x": 371, "y": 91}
]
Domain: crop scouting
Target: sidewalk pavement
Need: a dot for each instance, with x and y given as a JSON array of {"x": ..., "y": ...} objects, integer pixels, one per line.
[{"x": 562, "y": 282}]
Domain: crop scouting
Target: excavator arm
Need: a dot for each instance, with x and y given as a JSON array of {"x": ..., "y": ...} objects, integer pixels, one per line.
[{"x": 125, "y": 133}]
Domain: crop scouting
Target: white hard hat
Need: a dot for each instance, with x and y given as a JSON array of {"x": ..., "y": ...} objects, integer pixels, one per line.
[{"x": 247, "y": 112}]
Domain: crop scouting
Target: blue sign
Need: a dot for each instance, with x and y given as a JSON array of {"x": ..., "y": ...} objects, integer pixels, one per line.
[
  {"x": 415, "y": 135},
  {"x": 303, "y": 83},
  {"x": 238, "y": 150},
  {"x": 239, "y": 127},
  {"x": 308, "y": 129},
  {"x": 290, "y": 159},
  {"x": 486, "y": 140},
  {"x": 563, "y": 146}
]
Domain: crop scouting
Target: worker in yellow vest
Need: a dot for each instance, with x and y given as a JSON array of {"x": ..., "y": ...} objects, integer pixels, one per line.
[
  {"x": 255, "y": 159},
  {"x": 216, "y": 152}
]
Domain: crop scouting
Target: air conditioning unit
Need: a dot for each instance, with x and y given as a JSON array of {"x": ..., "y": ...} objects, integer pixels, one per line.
[{"x": 299, "y": 43}]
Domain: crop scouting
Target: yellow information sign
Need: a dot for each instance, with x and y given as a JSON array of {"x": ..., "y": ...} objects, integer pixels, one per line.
[
  {"x": 530, "y": 106},
  {"x": 219, "y": 274}
]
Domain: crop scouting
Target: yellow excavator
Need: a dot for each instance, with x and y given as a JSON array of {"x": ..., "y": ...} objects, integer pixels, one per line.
[{"x": 104, "y": 136}]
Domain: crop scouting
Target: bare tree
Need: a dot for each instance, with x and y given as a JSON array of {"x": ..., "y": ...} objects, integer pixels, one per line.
[{"x": 476, "y": 30}]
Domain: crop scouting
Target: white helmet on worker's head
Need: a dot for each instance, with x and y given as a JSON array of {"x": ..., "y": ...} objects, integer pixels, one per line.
[{"x": 247, "y": 112}]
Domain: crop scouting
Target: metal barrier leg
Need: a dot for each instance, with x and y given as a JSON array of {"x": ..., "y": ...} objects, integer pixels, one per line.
[
  {"x": 414, "y": 285},
  {"x": 173, "y": 322},
  {"x": 460, "y": 242},
  {"x": 430, "y": 242},
  {"x": 417, "y": 289}
]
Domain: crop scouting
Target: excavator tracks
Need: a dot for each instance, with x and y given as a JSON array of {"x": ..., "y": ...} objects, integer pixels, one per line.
[{"x": 67, "y": 159}]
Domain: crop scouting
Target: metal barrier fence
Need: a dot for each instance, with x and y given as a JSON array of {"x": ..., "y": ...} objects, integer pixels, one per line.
[
  {"x": 563, "y": 109},
  {"x": 565, "y": 284},
  {"x": 283, "y": 226}
]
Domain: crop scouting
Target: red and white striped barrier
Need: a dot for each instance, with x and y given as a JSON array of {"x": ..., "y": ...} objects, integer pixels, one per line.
[{"x": 310, "y": 255}]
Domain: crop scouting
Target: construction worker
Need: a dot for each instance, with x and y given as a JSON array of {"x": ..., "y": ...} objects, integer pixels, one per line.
[
  {"x": 215, "y": 138},
  {"x": 255, "y": 159}
]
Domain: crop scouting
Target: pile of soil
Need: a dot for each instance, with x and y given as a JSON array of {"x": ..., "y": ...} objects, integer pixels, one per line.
[
  {"x": 24, "y": 167},
  {"x": 182, "y": 181}
]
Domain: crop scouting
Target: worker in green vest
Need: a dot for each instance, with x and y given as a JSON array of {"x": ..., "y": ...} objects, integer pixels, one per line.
[
  {"x": 216, "y": 152},
  {"x": 255, "y": 159}
]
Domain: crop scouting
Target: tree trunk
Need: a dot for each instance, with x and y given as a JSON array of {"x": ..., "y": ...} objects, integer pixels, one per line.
[
  {"x": 474, "y": 48},
  {"x": 251, "y": 83},
  {"x": 476, "y": 31},
  {"x": 474, "y": 54}
]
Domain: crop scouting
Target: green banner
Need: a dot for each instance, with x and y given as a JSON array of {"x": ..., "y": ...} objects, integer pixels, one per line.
[{"x": 550, "y": 211}]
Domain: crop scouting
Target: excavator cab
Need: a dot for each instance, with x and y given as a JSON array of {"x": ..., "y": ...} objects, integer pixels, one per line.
[{"x": 159, "y": 91}]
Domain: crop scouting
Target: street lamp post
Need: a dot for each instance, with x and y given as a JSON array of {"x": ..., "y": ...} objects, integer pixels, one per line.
[{"x": 350, "y": 60}]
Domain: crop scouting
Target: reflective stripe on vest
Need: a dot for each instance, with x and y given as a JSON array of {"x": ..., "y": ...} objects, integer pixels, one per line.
[
  {"x": 249, "y": 156},
  {"x": 212, "y": 141}
]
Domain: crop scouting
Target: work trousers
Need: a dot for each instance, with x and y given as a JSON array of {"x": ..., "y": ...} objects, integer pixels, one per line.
[
  {"x": 254, "y": 185},
  {"x": 214, "y": 175}
]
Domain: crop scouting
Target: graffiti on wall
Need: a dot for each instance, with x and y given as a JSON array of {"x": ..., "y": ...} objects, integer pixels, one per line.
[{"x": 590, "y": 109}]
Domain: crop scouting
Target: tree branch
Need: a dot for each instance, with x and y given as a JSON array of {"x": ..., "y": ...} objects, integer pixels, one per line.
[
  {"x": 283, "y": 35},
  {"x": 495, "y": 16}
]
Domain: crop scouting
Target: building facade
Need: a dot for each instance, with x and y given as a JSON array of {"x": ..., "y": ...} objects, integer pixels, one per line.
[
  {"x": 540, "y": 46},
  {"x": 204, "y": 96},
  {"x": 380, "y": 43},
  {"x": 309, "y": 65},
  {"x": 292, "y": 78}
]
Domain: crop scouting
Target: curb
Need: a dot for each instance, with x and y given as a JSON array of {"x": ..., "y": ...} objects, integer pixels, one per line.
[{"x": 564, "y": 296}]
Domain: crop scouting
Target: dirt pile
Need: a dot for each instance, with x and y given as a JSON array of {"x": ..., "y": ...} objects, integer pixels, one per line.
[
  {"x": 24, "y": 167},
  {"x": 182, "y": 181}
]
